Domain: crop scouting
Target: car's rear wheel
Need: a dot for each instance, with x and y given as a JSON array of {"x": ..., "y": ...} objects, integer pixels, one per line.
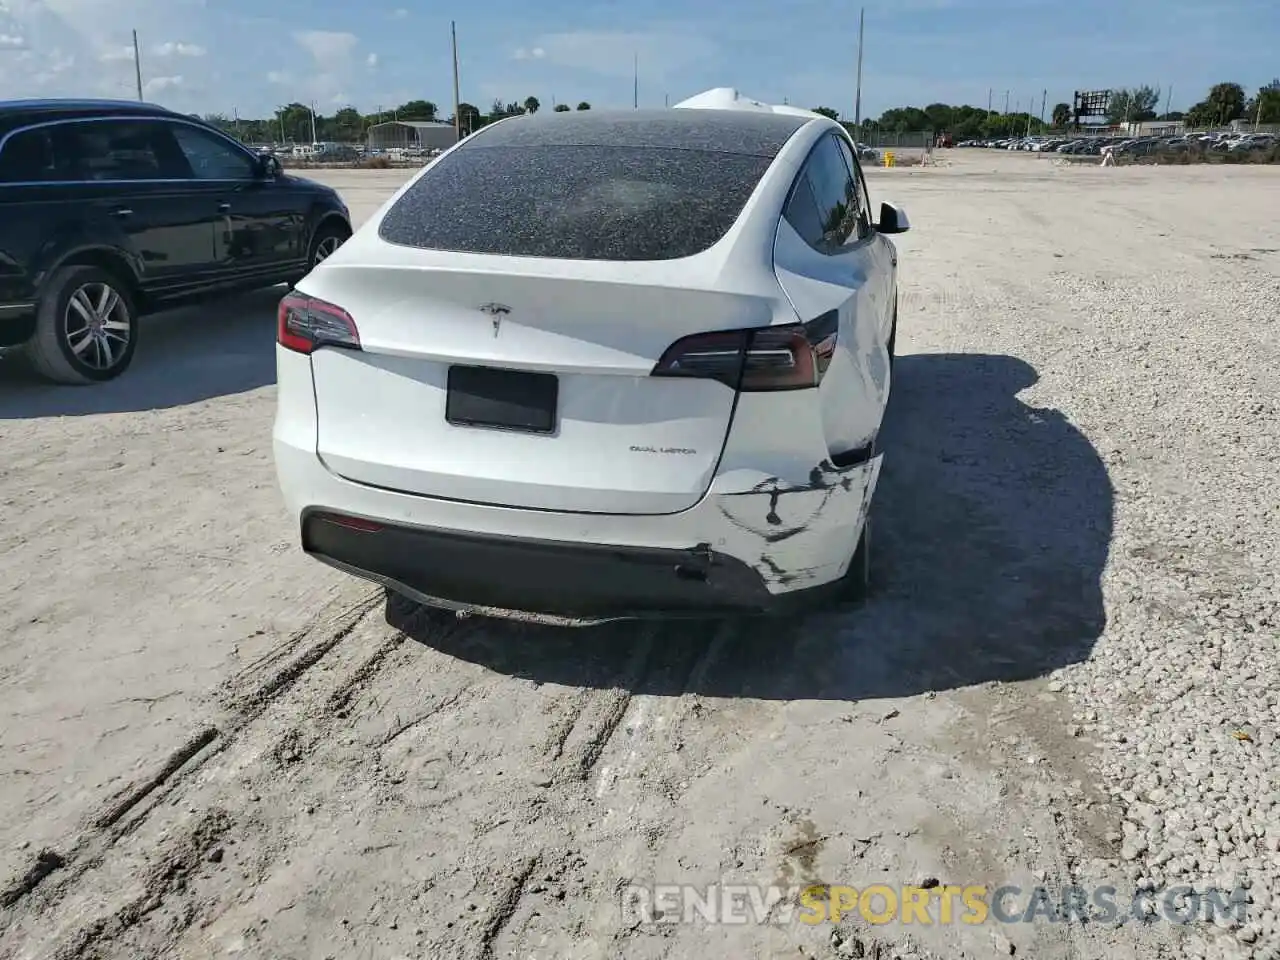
[{"x": 86, "y": 327}]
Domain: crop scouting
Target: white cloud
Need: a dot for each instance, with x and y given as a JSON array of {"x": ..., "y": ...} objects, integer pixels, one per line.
[
  {"x": 524, "y": 53},
  {"x": 612, "y": 54},
  {"x": 399, "y": 13},
  {"x": 161, "y": 84},
  {"x": 10, "y": 41},
  {"x": 179, "y": 49},
  {"x": 372, "y": 61},
  {"x": 327, "y": 45},
  {"x": 277, "y": 76},
  {"x": 117, "y": 55},
  {"x": 340, "y": 99}
]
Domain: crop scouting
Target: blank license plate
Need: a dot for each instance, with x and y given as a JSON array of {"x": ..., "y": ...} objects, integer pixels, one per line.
[{"x": 505, "y": 399}]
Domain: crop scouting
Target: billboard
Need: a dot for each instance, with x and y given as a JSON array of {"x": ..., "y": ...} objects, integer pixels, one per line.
[{"x": 1090, "y": 103}]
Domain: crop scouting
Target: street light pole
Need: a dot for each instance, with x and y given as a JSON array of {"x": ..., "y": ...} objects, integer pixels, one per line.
[
  {"x": 137, "y": 64},
  {"x": 857, "y": 97},
  {"x": 457, "y": 119}
]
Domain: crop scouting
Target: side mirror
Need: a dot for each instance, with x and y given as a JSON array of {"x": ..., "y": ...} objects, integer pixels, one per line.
[
  {"x": 893, "y": 219},
  {"x": 269, "y": 166}
]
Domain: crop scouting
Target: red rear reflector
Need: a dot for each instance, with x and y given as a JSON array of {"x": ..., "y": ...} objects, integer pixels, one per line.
[{"x": 351, "y": 523}]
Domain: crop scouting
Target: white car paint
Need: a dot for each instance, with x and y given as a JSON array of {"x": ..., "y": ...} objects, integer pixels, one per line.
[{"x": 637, "y": 460}]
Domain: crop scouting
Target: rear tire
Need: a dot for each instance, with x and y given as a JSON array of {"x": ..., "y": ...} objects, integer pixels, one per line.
[{"x": 86, "y": 327}]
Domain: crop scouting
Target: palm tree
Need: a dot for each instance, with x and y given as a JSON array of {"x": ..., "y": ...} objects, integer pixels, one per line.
[
  {"x": 531, "y": 104},
  {"x": 1061, "y": 115}
]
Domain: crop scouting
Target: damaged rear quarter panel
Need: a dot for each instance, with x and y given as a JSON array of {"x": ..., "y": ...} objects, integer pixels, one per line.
[{"x": 799, "y": 534}]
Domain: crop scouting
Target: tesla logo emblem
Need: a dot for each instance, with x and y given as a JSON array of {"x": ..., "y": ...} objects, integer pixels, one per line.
[{"x": 496, "y": 312}]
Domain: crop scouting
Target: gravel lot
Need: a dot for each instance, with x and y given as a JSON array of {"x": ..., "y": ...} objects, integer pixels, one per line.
[{"x": 1069, "y": 672}]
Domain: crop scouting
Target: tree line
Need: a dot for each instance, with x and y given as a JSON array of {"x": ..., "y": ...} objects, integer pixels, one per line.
[
  {"x": 293, "y": 123},
  {"x": 1223, "y": 103}
]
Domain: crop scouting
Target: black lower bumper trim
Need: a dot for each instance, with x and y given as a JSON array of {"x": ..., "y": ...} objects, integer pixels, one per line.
[{"x": 572, "y": 581}]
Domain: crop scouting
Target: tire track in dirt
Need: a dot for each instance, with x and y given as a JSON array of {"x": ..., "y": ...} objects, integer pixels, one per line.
[
  {"x": 169, "y": 874},
  {"x": 121, "y": 814},
  {"x": 276, "y": 748}
]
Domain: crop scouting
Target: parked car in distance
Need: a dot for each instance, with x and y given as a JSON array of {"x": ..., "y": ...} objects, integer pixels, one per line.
[
  {"x": 599, "y": 366},
  {"x": 110, "y": 210}
]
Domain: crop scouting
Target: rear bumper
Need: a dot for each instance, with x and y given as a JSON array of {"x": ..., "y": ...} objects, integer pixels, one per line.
[
  {"x": 569, "y": 583},
  {"x": 769, "y": 533}
]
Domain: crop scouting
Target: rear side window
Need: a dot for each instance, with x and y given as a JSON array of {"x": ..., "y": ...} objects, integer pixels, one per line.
[
  {"x": 91, "y": 150},
  {"x": 114, "y": 149},
  {"x": 29, "y": 157},
  {"x": 576, "y": 202},
  {"x": 833, "y": 189},
  {"x": 860, "y": 187}
]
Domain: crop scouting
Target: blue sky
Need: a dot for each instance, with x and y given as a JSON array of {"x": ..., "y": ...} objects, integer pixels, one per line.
[{"x": 240, "y": 55}]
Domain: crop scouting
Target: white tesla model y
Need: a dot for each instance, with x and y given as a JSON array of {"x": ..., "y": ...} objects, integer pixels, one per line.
[{"x": 593, "y": 366}]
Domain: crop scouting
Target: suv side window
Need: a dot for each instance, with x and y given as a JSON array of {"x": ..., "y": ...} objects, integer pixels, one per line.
[
  {"x": 29, "y": 157},
  {"x": 827, "y": 183},
  {"x": 860, "y": 187},
  {"x": 210, "y": 156},
  {"x": 113, "y": 150}
]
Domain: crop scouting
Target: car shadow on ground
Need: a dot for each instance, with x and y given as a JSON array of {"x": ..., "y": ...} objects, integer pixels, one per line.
[
  {"x": 217, "y": 348},
  {"x": 991, "y": 529}
]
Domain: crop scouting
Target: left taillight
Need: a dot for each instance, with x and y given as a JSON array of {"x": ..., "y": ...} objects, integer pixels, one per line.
[{"x": 303, "y": 324}]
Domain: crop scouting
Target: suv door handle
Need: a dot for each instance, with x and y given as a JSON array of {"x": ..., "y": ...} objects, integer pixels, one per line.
[
  {"x": 224, "y": 208},
  {"x": 122, "y": 212}
]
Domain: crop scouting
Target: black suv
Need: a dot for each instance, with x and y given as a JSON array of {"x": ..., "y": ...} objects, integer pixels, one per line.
[{"x": 109, "y": 210}]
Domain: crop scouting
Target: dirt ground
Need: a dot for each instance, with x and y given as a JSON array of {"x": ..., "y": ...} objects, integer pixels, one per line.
[{"x": 212, "y": 746}]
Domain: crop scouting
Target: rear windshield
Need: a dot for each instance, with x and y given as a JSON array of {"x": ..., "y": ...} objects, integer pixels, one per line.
[{"x": 576, "y": 202}]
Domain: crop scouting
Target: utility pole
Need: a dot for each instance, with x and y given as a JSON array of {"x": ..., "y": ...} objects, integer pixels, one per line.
[
  {"x": 1006, "y": 103},
  {"x": 313, "y": 122},
  {"x": 635, "y": 82},
  {"x": 1257, "y": 116},
  {"x": 988, "y": 103},
  {"x": 137, "y": 64},
  {"x": 666, "y": 100},
  {"x": 857, "y": 97},
  {"x": 457, "y": 102},
  {"x": 1044, "y": 99},
  {"x": 282, "y": 140}
]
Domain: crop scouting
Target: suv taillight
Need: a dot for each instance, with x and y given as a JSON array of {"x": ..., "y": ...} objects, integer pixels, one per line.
[
  {"x": 304, "y": 323},
  {"x": 792, "y": 357}
]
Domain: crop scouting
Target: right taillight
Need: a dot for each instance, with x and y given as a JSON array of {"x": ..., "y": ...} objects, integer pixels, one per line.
[
  {"x": 304, "y": 323},
  {"x": 791, "y": 357}
]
